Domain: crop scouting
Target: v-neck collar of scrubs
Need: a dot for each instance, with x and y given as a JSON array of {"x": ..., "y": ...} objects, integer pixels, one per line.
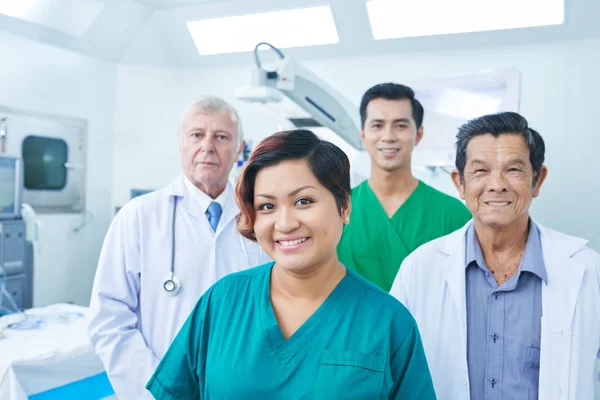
[{"x": 282, "y": 349}]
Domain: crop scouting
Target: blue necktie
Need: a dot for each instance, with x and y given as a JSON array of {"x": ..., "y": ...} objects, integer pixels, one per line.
[{"x": 214, "y": 214}]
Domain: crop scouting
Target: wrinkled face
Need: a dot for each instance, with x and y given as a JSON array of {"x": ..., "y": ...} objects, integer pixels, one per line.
[
  {"x": 390, "y": 133},
  {"x": 498, "y": 180},
  {"x": 209, "y": 147},
  {"x": 298, "y": 223}
]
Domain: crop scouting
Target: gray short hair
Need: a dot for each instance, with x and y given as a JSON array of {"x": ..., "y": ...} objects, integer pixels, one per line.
[
  {"x": 504, "y": 123},
  {"x": 213, "y": 104}
]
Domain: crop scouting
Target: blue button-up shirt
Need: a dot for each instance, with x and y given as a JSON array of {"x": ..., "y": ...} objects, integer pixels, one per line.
[{"x": 504, "y": 323}]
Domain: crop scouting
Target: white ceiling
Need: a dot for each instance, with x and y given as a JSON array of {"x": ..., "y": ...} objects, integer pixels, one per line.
[{"x": 154, "y": 32}]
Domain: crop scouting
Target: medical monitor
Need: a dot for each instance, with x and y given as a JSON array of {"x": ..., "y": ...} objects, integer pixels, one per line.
[
  {"x": 11, "y": 187},
  {"x": 139, "y": 192}
]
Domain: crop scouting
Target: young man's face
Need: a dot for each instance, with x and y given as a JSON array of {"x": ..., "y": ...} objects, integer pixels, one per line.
[{"x": 390, "y": 133}]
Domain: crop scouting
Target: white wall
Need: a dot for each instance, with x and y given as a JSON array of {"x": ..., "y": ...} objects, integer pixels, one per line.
[
  {"x": 39, "y": 78},
  {"x": 559, "y": 90}
]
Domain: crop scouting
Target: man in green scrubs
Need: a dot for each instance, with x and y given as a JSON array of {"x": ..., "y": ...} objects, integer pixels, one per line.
[{"x": 393, "y": 212}]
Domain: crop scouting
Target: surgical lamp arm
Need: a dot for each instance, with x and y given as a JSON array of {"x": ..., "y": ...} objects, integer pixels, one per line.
[{"x": 328, "y": 107}]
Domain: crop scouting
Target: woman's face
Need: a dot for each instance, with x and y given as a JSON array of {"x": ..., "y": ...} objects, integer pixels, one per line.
[{"x": 298, "y": 222}]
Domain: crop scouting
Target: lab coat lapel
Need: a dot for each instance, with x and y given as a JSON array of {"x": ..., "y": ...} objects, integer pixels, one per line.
[
  {"x": 564, "y": 279},
  {"x": 454, "y": 246},
  {"x": 194, "y": 209},
  {"x": 177, "y": 189},
  {"x": 559, "y": 300}
]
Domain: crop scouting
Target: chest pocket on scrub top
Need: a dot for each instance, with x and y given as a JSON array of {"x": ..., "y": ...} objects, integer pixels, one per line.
[{"x": 350, "y": 375}]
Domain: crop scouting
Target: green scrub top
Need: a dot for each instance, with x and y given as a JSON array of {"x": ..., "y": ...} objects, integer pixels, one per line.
[
  {"x": 361, "y": 343},
  {"x": 374, "y": 245}
]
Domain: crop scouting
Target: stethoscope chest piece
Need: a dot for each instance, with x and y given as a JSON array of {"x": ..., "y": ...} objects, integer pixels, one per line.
[{"x": 172, "y": 285}]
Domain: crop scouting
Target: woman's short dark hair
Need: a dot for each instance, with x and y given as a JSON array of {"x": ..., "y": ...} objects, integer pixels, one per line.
[
  {"x": 328, "y": 163},
  {"x": 505, "y": 123}
]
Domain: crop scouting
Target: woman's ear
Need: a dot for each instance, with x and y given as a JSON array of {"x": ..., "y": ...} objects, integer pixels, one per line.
[{"x": 346, "y": 211}]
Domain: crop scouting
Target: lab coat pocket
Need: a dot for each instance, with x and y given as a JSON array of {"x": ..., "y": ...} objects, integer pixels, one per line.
[
  {"x": 531, "y": 371},
  {"x": 532, "y": 359},
  {"x": 350, "y": 375}
]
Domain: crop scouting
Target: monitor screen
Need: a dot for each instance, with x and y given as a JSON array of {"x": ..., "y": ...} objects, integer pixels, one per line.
[{"x": 9, "y": 180}]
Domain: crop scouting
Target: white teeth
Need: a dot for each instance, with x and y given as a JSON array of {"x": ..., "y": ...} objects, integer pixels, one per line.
[
  {"x": 389, "y": 150},
  {"x": 287, "y": 243},
  {"x": 498, "y": 203}
]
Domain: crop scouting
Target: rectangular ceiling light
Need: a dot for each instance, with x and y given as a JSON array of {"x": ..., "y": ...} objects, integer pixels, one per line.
[
  {"x": 73, "y": 17},
  {"x": 290, "y": 28},
  {"x": 402, "y": 18}
]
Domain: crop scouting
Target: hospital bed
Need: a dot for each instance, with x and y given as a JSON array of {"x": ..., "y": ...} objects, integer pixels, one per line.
[{"x": 45, "y": 354}]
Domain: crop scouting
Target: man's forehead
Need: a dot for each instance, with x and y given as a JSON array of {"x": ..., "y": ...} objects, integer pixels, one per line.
[
  {"x": 209, "y": 116},
  {"x": 209, "y": 120},
  {"x": 500, "y": 142},
  {"x": 389, "y": 109},
  {"x": 502, "y": 147}
]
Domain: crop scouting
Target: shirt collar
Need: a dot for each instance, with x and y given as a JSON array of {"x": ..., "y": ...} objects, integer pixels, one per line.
[
  {"x": 203, "y": 199},
  {"x": 533, "y": 258}
]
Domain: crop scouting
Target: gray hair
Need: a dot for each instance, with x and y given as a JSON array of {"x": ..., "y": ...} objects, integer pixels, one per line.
[
  {"x": 210, "y": 105},
  {"x": 504, "y": 123}
]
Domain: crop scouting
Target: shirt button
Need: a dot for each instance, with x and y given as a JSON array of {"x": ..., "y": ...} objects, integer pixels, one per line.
[
  {"x": 495, "y": 337},
  {"x": 493, "y": 382}
]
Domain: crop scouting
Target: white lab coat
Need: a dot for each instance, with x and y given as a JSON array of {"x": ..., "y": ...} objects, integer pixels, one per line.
[
  {"x": 431, "y": 284},
  {"x": 133, "y": 321}
]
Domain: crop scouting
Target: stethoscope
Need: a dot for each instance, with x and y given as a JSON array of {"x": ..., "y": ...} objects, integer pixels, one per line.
[{"x": 173, "y": 285}]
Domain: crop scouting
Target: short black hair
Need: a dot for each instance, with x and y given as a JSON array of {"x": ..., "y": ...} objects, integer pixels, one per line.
[
  {"x": 505, "y": 123},
  {"x": 329, "y": 164},
  {"x": 391, "y": 91}
]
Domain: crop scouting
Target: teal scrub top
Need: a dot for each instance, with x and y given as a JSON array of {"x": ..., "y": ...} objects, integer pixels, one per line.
[{"x": 361, "y": 343}]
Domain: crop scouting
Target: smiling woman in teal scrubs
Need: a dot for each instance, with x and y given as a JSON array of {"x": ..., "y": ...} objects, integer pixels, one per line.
[{"x": 302, "y": 327}]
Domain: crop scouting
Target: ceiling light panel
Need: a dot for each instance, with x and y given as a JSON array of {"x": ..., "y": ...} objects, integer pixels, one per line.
[
  {"x": 73, "y": 17},
  {"x": 283, "y": 29},
  {"x": 408, "y": 18}
]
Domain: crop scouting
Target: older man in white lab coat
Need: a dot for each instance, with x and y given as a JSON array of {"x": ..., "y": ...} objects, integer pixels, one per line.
[
  {"x": 507, "y": 308},
  {"x": 165, "y": 249}
]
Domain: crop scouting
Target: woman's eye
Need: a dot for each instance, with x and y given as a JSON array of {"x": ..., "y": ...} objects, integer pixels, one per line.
[
  {"x": 266, "y": 207},
  {"x": 304, "y": 201}
]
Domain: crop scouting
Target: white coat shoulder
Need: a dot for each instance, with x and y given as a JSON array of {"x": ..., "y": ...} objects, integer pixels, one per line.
[
  {"x": 422, "y": 271},
  {"x": 575, "y": 248},
  {"x": 144, "y": 205},
  {"x": 429, "y": 257}
]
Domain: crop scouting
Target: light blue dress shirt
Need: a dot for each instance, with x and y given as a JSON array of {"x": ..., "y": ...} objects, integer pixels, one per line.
[{"x": 504, "y": 323}]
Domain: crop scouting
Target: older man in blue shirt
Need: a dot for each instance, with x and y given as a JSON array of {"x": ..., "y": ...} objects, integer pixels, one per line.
[
  {"x": 507, "y": 308},
  {"x": 504, "y": 323}
]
